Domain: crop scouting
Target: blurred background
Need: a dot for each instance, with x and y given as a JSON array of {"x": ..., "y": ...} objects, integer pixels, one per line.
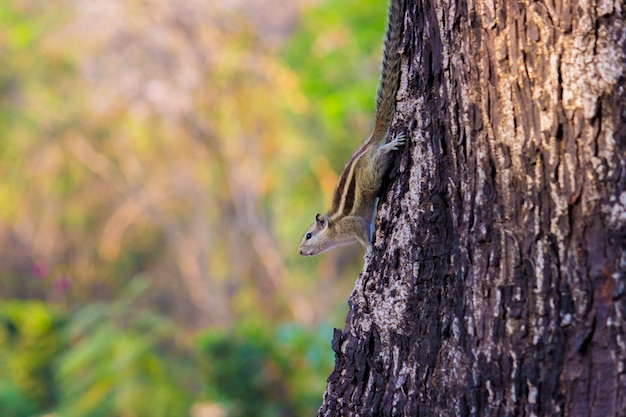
[{"x": 159, "y": 163}]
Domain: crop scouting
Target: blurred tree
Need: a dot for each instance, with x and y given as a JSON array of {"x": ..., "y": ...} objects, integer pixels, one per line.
[
  {"x": 151, "y": 137},
  {"x": 142, "y": 139}
]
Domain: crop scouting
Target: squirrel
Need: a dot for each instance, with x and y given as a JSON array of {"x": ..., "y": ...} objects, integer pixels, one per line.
[{"x": 354, "y": 200}]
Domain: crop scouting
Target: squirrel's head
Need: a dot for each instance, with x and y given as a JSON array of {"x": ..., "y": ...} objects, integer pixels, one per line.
[{"x": 316, "y": 240}]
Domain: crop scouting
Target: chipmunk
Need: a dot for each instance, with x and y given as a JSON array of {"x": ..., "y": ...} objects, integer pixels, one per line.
[{"x": 354, "y": 200}]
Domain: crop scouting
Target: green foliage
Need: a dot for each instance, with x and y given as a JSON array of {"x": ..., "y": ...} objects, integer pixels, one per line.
[
  {"x": 116, "y": 359},
  {"x": 255, "y": 370},
  {"x": 30, "y": 341},
  {"x": 310, "y": 362},
  {"x": 117, "y": 366},
  {"x": 13, "y": 403},
  {"x": 336, "y": 52}
]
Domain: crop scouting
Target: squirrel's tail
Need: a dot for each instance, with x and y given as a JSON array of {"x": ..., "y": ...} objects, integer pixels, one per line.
[{"x": 390, "y": 70}]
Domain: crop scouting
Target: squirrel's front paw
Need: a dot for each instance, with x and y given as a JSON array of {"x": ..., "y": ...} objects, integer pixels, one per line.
[{"x": 399, "y": 140}]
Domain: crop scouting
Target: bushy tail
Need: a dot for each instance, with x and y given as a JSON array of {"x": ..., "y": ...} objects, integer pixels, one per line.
[{"x": 390, "y": 70}]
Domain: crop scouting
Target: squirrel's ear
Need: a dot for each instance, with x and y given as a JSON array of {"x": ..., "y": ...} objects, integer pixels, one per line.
[{"x": 321, "y": 219}]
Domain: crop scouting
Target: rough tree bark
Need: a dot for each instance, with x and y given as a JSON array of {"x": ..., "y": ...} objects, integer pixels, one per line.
[{"x": 497, "y": 285}]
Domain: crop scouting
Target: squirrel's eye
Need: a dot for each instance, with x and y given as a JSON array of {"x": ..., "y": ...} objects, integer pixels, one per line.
[{"x": 308, "y": 236}]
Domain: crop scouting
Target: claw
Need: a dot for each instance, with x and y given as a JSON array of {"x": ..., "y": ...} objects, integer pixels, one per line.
[{"x": 398, "y": 141}]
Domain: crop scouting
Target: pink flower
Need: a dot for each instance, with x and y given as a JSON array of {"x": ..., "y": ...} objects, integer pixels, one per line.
[
  {"x": 39, "y": 270},
  {"x": 61, "y": 283}
]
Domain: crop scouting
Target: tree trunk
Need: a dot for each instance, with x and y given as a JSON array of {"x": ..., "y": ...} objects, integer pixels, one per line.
[{"x": 497, "y": 285}]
